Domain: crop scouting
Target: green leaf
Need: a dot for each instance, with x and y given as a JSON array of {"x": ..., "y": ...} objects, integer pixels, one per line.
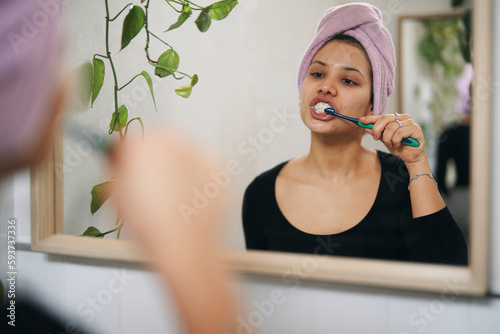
[
  {"x": 133, "y": 23},
  {"x": 185, "y": 14},
  {"x": 185, "y": 91},
  {"x": 93, "y": 232},
  {"x": 98, "y": 78},
  {"x": 194, "y": 80},
  {"x": 221, "y": 9},
  {"x": 100, "y": 194},
  {"x": 186, "y": 8},
  {"x": 204, "y": 20},
  {"x": 150, "y": 84},
  {"x": 168, "y": 62},
  {"x": 119, "y": 119},
  {"x": 85, "y": 76}
]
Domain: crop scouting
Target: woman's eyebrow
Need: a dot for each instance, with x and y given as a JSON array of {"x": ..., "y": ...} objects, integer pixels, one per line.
[
  {"x": 345, "y": 68},
  {"x": 319, "y": 62}
]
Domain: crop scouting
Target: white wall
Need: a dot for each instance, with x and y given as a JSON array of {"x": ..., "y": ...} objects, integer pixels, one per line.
[{"x": 122, "y": 298}]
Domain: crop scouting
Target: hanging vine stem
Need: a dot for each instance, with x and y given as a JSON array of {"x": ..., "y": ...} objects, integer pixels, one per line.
[
  {"x": 171, "y": 71},
  {"x": 161, "y": 40},
  {"x": 119, "y": 228},
  {"x": 119, "y": 89},
  {"x": 114, "y": 18},
  {"x": 184, "y": 75},
  {"x": 108, "y": 53},
  {"x": 99, "y": 55},
  {"x": 199, "y": 7},
  {"x": 180, "y": 3},
  {"x": 148, "y": 32},
  {"x": 133, "y": 25},
  {"x": 142, "y": 126},
  {"x": 146, "y": 48},
  {"x": 178, "y": 11}
]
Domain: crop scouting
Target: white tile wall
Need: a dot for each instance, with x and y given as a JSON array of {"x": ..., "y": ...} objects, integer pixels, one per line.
[
  {"x": 350, "y": 311},
  {"x": 483, "y": 316},
  {"x": 274, "y": 307},
  {"x": 145, "y": 307},
  {"x": 433, "y": 314}
]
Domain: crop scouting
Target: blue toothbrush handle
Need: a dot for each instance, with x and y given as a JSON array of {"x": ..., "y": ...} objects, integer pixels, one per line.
[{"x": 406, "y": 141}]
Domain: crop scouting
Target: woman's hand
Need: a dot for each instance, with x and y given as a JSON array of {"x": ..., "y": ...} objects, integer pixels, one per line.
[
  {"x": 156, "y": 186},
  {"x": 158, "y": 183},
  {"x": 391, "y": 133}
]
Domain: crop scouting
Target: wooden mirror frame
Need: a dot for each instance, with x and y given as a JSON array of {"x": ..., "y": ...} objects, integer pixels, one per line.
[{"x": 47, "y": 216}]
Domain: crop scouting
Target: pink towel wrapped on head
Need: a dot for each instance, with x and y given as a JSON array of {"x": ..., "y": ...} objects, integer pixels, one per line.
[
  {"x": 31, "y": 40},
  {"x": 364, "y": 23}
]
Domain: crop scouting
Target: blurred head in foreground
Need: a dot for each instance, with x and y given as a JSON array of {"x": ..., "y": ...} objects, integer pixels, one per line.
[{"x": 31, "y": 92}]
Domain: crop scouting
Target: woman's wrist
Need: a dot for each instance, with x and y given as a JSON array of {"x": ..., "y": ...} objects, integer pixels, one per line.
[{"x": 418, "y": 167}]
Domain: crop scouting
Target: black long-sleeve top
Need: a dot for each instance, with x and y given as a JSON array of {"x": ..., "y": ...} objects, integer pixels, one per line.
[{"x": 388, "y": 231}]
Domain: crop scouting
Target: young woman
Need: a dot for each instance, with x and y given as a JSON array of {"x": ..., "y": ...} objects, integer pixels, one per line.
[
  {"x": 186, "y": 256},
  {"x": 341, "y": 198}
]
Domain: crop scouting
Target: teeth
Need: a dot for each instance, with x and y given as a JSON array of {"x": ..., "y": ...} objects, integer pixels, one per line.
[{"x": 320, "y": 107}]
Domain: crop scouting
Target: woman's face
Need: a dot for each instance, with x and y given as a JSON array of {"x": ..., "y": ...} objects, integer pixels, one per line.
[{"x": 340, "y": 75}]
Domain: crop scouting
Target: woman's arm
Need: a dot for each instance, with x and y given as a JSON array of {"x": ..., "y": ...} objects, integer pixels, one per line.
[
  {"x": 252, "y": 217},
  {"x": 434, "y": 238},
  {"x": 430, "y": 232},
  {"x": 425, "y": 196},
  {"x": 154, "y": 191},
  {"x": 424, "y": 193}
]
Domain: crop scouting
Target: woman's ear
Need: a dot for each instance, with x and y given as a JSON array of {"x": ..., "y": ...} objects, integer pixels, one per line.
[{"x": 370, "y": 111}]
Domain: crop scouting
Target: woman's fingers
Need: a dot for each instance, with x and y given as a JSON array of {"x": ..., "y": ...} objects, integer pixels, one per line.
[
  {"x": 381, "y": 122},
  {"x": 409, "y": 129},
  {"x": 392, "y": 129},
  {"x": 389, "y": 132},
  {"x": 387, "y": 129}
]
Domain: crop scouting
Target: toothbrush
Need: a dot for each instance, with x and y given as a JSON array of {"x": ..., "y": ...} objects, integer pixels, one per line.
[{"x": 323, "y": 107}]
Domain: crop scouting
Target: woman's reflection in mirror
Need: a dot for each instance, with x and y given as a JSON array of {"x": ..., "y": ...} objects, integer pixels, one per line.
[{"x": 342, "y": 198}]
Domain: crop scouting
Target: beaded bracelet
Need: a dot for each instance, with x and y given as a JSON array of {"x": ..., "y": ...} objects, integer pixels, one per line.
[{"x": 415, "y": 176}]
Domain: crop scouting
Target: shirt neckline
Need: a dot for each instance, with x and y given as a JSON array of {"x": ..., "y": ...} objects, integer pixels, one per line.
[{"x": 351, "y": 229}]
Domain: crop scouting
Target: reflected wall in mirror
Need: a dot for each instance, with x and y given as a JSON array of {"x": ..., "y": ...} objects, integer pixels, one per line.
[
  {"x": 127, "y": 80},
  {"x": 258, "y": 75},
  {"x": 435, "y": 78}
]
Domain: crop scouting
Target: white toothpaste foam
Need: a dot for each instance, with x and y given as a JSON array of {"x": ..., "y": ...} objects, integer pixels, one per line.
[{"x": 321, "y": 106}]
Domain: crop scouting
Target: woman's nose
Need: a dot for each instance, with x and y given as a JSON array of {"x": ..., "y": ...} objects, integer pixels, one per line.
[{"x": 327, "y": 87}]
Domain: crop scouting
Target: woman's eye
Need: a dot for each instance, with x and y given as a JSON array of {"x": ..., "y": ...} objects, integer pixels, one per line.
[
  {"x": 348, "y": 82},
  {"x": 317, "y": 75}
]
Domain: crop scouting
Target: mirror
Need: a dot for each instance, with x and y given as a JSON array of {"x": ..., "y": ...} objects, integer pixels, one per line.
[
  {"x": 261, "y": 132},
  {"x": 434, "y": 78}
]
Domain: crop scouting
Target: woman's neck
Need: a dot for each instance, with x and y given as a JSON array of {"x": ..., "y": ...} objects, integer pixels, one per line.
[{"x": 334, "y": 159}]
